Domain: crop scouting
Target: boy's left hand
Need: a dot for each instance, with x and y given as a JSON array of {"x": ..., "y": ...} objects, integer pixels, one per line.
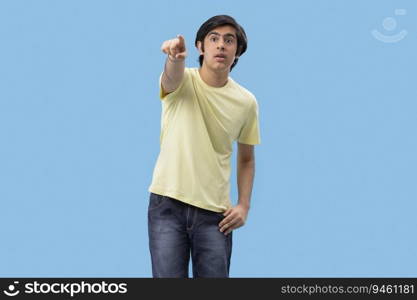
[{"x": 235, "y": 217}]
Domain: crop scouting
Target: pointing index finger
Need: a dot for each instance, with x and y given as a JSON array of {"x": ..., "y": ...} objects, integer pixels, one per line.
[{"x": 181, "y": 38}]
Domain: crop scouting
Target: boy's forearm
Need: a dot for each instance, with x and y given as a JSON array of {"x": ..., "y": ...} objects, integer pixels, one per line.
[
  {"x": 245, "y": 176},
  {"x": 175, "y": 63},
  {"x": 173, "y": 73}
]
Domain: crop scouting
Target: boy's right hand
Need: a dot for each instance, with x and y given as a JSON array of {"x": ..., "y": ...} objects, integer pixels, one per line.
[{"x": 175, "y": 48}]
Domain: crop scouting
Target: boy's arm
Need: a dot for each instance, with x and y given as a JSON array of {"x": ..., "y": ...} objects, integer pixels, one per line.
[
  {"x": 245, "y": 173},
  {"x": 174, "y": 64},
  {"x": 235, "y": 217}
]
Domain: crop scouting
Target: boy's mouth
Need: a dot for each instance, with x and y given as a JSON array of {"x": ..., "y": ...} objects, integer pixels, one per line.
[{"x": 220, "y": 57}]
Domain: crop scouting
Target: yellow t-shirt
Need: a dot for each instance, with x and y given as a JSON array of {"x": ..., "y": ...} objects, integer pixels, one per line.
[{"x": 198, "y": 126}]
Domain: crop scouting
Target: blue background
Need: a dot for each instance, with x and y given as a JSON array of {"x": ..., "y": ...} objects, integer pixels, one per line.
[{"x": 335, "y": 191}]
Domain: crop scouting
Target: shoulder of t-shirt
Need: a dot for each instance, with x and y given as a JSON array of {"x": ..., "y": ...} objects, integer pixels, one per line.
[
  {"x": 246, "y": 94},
  {"x": 189, "y": 75}
]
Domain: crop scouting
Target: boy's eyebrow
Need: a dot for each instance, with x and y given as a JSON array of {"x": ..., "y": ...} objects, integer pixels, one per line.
[{"x": 227, "y": 34}]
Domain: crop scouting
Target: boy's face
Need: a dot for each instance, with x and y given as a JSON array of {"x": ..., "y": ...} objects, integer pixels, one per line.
[{"x": 220, "y": 46}]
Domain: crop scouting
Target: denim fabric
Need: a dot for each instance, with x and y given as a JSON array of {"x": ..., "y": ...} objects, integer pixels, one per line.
[{"x": 178, "y": 231}]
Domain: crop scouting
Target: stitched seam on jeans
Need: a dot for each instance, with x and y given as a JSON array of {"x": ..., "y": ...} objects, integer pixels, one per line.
[
  {"x": 188, "y": 213},
  {"x": 193, "y": 218}
]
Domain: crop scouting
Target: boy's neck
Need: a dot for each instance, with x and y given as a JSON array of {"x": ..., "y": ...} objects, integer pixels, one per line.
[{"x": 213, "y": 78}]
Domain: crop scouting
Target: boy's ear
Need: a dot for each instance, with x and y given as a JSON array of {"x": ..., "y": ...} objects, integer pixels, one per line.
[{"x": 200, "y": 50}]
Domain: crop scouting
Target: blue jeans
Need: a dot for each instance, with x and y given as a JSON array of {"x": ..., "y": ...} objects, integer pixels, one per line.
[{"x": 176, "y": 230}]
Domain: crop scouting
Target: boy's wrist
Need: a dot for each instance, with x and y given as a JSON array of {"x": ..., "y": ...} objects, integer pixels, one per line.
[
  {"x": 173, "y": 59},
  {"x": 244, "y": 204}
]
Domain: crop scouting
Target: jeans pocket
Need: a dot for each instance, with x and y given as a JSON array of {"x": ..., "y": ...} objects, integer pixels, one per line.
[{"x": 156, "y": 201}]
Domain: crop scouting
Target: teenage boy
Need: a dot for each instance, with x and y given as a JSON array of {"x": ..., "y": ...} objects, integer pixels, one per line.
[{"x": 203, "y": 112}]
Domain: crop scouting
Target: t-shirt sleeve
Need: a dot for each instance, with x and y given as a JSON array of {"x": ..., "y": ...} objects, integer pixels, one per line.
[
  {"x": 169, "y": 96},
  {"x": 249, "y": 133}
]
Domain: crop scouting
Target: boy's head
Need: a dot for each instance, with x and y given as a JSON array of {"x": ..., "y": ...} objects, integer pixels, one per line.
[{"x": 220, "y": 41}]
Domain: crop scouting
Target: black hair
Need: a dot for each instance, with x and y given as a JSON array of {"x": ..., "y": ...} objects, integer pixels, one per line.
[{"x": 217, "y": 21}]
